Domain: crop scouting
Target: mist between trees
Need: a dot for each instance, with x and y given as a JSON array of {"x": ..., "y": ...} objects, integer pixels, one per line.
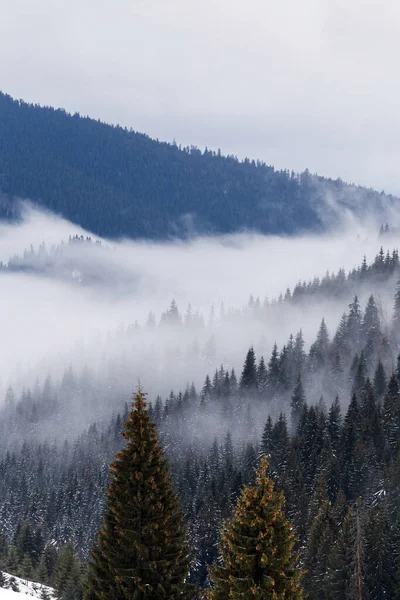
[
  {"x": 287, "y": 404},
  {"x": 305, "y": 377}
]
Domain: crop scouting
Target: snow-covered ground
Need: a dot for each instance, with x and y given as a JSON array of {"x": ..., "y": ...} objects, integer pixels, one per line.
[{"x": 26, "y": 588}]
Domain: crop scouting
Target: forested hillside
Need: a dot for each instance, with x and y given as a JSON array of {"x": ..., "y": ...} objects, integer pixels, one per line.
[
  {"x": 116, "y": 182},
  {"x": 322, "y": 404},
  {"x": 327, "y": 418}
]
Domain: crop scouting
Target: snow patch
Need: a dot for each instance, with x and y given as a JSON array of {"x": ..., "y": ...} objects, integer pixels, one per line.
[{"x": 26, "y": 588}]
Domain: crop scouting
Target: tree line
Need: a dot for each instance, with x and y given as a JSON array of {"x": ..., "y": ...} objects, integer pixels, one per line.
[{"x": 116, "y": 182}]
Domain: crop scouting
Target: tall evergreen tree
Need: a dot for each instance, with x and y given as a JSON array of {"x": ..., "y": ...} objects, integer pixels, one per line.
[
  {"x": 141, "y": 552},
  {"x": 358, "y": 370},
  {"x": 371, "y": 318},
  {"x": 318, "y": 548},
  {"x": 396, "y": 309},
  {"x": 262, "y": 377},
  {"x": 68, "y": 575},
  {"x": 380, "y": 561},
  {"x": 257, "y": 548},
  {"x": 297, "y": 403},
  {"x": 273, "y": 369},
  {"x": 379, "y": 380},
  {"x": 347, "y": 566},
  {"x": 391, "y": 416},
  {"x": 334, "y": 424},
  {"x": 319, "y": 349},
  {"x": 354, "y": 323},
  {"x": 248, "y": 381}
]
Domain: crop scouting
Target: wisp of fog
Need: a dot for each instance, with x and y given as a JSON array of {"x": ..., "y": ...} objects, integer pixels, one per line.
[{"x": 60, "y": 315}]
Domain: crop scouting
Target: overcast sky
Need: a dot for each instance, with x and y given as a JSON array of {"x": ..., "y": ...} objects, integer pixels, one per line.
[{"x": 310, "y": 83}]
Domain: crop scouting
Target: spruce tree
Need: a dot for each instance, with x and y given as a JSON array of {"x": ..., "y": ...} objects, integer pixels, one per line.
[
  {"x": 371, "y": 318},
  {"x": 266, "y": 440},
  {"x": 257, "y": 548},
  {"x": 380, "y": 554},
  {"x": 391, "y": 416},
  {"x": 68, "y": 574},
  {"x": 353, "y": 333},
  {"x": 262, "y": 377},
  {"x": 273, "y": 370},
  {"x": 141, "y": 552},
  {"x": 318, "y": 547},
  {"x": 379, "y": 380},
  {"x": 319, "y": 349},
  {"x": 396, "y": 308},
  {"x": 3, "y": 549},
  {"x": 334, "y": 424},
  {"x": 297, "y": 403},
  {"x": 248, "y": 381},
  {"x": 347, "y": 565},
  {"x": 359, "y": 370}
]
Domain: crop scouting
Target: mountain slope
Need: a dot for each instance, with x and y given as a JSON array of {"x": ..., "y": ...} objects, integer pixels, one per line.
[
  {"x": 116, "y": 182},
  {"x": 25, "y": 588}
]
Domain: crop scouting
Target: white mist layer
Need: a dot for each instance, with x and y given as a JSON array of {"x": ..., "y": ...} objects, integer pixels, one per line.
[{"x": 48, "y": 324}]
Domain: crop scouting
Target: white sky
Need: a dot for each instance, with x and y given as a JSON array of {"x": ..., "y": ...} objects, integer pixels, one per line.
[{"x": 298, "y": 84}]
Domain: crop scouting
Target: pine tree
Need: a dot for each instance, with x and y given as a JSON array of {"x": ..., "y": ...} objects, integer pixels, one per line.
[
  {"x": 207, "y": 521},
  {"x": 48, "y": 564},
  {"x": 396, "y": 309},
  {"x": 68, "y": 577},
  {"x": 297, "y": 403},
  {"x": 359, "y": 370},
  {"x": 26, "y": 567},
  {"x": 379, "y": 554},
  {"x": 3, "y": 550},
  {"x": 262, "y": 377},
  {"x": 354, "y": 322},
  {"x": 371, "y": 318},
  {"x": 206, "y": 393},
  {"x": 267, "y": 439},
  {"x": 248, "y": 381},
  {"x": 340, "y": 340},
  {"x": 273, "y": 369},
  {"x": 319, "y": 349},
  {"x": 347, "y": 570},
  {"x": 141, "y": 552},
  {"x": 379, "y": 380},
  {"x": 172, "y": 316},
  {"x": 334, "y": 424},
  {"x": 391, "y": 416},
  {"x": 299, "y": 356},
  {"x": 348, "y": 443},
  {"x": 257, "y": 548},
  {"x": 319, "y": 545},
  {"x": 13, "y": 560}
]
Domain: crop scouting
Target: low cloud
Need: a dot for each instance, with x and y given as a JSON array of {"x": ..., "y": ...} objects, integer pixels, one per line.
[{"x": 90, "y": 304}]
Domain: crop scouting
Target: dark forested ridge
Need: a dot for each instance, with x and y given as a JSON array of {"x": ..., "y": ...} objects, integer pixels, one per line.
[{"x": 116, "y": 182}]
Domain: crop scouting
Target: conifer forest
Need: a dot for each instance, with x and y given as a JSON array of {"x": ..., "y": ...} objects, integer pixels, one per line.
[
  {"x": 275, "y": 473},
  {"x": 199, "y": 300}
]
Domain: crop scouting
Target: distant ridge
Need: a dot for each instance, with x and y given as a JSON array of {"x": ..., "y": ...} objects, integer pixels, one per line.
[{"x": 115, "y": 182}]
